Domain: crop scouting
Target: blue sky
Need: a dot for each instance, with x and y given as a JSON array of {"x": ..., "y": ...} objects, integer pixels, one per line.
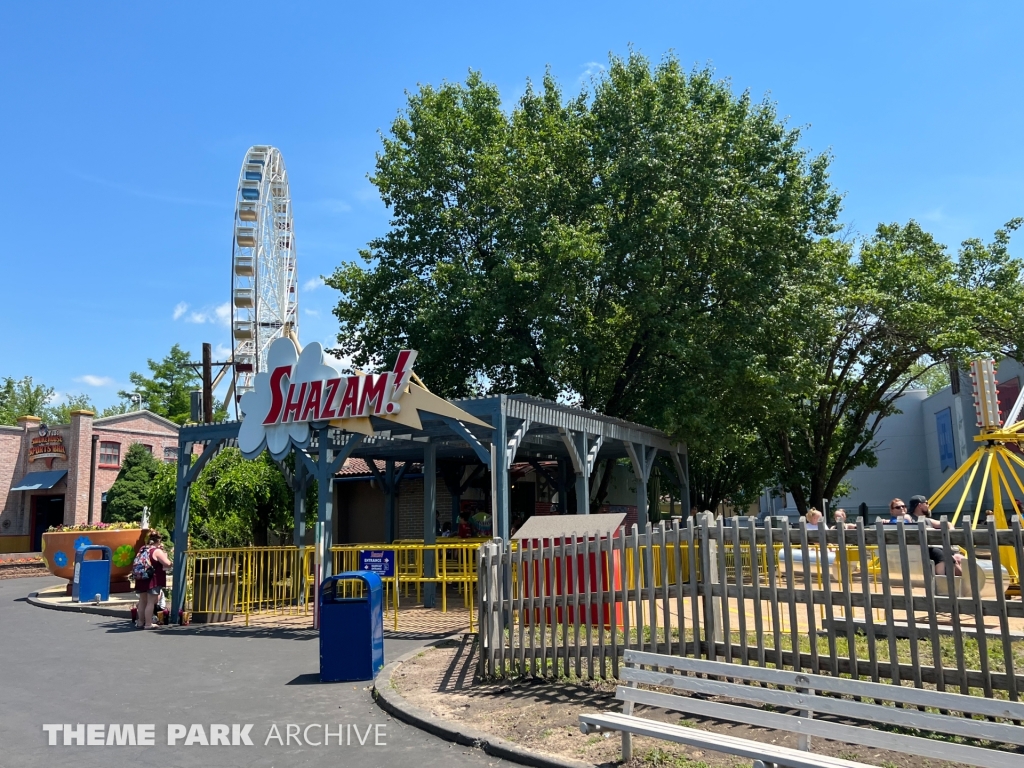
[{"x": 124, "y": 126}]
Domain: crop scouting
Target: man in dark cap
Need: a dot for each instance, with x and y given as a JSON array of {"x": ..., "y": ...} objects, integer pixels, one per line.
[{"x": 918, "y": 509}]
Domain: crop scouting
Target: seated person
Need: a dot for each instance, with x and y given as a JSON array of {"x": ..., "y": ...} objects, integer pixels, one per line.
[
  {"x": 815, "y": 518},
  {"x": 919, "y": 510},
  {"x": 897, "y": 513},
  {"x": 465, "y": 527},
  {"x": 840, "y": 518}
]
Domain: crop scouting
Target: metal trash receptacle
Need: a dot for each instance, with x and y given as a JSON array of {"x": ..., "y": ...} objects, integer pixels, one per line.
[
  {"x": 351, "y": 627},
  {"x": 92, "y": 577},
  {"x": 214, "y": 585}
]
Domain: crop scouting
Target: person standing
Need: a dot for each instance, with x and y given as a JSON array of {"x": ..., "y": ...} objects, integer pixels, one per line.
[{"x": 149, "y": 589}]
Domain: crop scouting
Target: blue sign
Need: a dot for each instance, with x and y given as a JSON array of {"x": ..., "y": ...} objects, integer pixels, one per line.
[
  {"x": 379, "y": 561},
  {"x": 944, "y": 424}
]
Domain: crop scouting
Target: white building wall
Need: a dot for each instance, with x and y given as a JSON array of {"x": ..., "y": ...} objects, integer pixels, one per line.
[{"x": 902, "y": 453}]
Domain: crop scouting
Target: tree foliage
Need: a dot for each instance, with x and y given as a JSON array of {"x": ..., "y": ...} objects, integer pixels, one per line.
[
  {"x": 620, "y": 250},
  {"x": 60, "y": 413},
  {"x": 130, "y": 491},
  {"x": 233, "y": 502},
  {"x": 23, "y": 397},
  {"x": 166, "y": 391},
  {"x": 854, "y": 335}
]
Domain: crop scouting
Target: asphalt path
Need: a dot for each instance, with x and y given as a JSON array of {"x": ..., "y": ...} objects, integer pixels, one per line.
[{"x": 59, "y": 667}]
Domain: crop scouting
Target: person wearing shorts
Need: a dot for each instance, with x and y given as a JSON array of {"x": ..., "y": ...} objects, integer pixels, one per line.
[{"x": 149, "y": 590}]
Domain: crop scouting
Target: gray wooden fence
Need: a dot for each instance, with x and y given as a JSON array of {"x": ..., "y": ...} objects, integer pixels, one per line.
[{"x": 859, "y": 602}]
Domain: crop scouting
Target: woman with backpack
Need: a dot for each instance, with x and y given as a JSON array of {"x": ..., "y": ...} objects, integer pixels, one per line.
[{"x": 150, "y": 578}]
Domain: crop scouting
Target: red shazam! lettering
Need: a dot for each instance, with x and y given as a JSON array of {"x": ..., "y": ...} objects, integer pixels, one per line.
[
  {"x": 292, "y": 405},
  {"x": 350, "y": 400},
  {"x": 375, "y": 394},
  {"x": 312, "y": 406},
  {"x": 327, "y": 410},
  {"x": 337, "y": 398},
  {"x": 276, "y": 395}
]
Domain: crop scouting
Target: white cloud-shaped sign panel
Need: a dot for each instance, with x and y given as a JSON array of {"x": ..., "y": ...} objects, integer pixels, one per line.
[{"x": 300, "y": 389}]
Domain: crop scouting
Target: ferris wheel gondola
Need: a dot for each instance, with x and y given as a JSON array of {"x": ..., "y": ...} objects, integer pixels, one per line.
[{"x": 264, "y": 294}]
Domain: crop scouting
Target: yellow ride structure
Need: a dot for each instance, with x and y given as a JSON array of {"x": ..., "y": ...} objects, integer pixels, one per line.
[{"x": 997, "y": 461}]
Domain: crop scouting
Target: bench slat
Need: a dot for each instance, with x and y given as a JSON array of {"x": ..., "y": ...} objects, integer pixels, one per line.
[
  {"x": 906, "y": 718},
  {"x": 720, "y": 742},
  {"x": 905, "y": 695},
  {"x": 869, "y": 737}
]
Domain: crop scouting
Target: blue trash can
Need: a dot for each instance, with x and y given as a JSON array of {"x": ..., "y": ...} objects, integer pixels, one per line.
[
  {"x": 92, "y": 577},
  {"x": 351, "y": 628}
]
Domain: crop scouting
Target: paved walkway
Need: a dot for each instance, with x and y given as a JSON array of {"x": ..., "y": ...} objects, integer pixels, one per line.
[{"x": 62, "y": 667}]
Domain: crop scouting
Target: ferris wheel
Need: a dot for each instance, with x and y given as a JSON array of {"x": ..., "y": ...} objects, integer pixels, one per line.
[{"x": 264, "y": 297}]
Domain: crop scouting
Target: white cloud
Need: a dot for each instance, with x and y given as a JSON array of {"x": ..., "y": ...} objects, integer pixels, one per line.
[
  {"x": 180, "y": 309},
  {"x": 95, "y": 381},
  {"x": 313, "y": 283},
  {"x": 221, "y": 352},
  {"x": 311, "y": 312},
  {"x": 220, "y": 314},
  {"x": 591, "y": 69}
]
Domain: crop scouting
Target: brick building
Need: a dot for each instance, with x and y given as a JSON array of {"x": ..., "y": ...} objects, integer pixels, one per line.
[{"x": 60, "y": 474}]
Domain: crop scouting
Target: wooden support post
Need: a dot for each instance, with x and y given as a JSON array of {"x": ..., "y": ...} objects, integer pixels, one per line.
[
  {"x": 207, "y": 383},
  {"x": 299, "y": 483},
  {"x": 390, "y": 526},
  {"x": 429, "y": 520}
]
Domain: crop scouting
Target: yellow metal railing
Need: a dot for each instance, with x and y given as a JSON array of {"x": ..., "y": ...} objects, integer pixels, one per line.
[
  {"x": 455, "y": 563},
  {"x": 245, "y": 580},
  {"x": 220, "y": 583}
]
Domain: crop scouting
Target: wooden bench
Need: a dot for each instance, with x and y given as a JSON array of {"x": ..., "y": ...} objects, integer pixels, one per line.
[{"x": 802, "y": 692}]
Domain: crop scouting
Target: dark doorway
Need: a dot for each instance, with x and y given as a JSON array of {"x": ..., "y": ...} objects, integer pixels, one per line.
[
  {"x": 46, "y": 511},
  {"x": 523, "y": 500}
]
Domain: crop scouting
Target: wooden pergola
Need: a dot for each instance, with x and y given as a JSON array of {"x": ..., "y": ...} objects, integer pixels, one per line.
[{"x": 520, "y": 428}]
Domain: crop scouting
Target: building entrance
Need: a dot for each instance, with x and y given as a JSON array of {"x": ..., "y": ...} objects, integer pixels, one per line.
[{"x": 46, "y": 511}]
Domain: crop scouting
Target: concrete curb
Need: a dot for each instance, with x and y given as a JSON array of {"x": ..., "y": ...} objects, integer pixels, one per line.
[
  {"x": 392, "y": 702},
  {"x": 99, "y": 610}
]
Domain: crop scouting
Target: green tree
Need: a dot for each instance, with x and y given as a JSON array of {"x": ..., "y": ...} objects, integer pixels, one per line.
[
  {"x": 166, "y": 392},
  {"x": 130, "y": 491},
  {"x": 162, "y": 494},
  {"x": 61, "y": 412},
  {"x": 621, "y": 251},
  {"x": 852, "y": 339},
  {"x": 23, "y": 397},
  {"x": 122, "y": 406},
  {"x": 233, "y": 502}
]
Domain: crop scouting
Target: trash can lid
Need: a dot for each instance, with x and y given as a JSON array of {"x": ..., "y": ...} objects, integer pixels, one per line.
[
  {"x": 80, "y": 551},
  {"x": 371, "y": 579}
]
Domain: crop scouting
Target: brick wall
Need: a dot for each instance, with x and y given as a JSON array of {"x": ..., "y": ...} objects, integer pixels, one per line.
[
  {"x": 410, "y": 507},
  {"x": 11, "y": 515},
  {"x": 78, "y": 442},
  {"x": 16, "y": 506}
]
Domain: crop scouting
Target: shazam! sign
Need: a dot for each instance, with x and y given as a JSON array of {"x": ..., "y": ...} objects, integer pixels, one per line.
[{"x": 302, "y": 388}]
